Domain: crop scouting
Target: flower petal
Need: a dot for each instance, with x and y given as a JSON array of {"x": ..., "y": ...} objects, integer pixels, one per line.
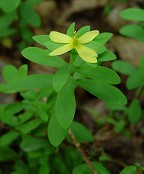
[
  {"x": 88, "y": 36},
  {"x": 59, "y": 37},
  {"x": 87, "y": 54},
  {"x": 61, "y": 50}
]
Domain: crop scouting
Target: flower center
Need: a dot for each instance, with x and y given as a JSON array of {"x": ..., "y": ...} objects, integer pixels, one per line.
[{"x": 75, "y": 40}]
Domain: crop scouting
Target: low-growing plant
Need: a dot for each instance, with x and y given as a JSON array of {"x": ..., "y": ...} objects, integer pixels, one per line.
[{"x": 35, "y": 127}]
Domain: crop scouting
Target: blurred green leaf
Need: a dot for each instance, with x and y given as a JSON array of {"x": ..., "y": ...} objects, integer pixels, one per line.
[
  {"x": 28, "y": 83},
  {"x": 123, "y": 67},
  {"x": 29, "y": 143},
  {"x": 134, "y": 80},
  {"x": 7, "y": 32},
  {"x": 7, "y": 154},
  {"x": 134, "y": 31},
  {"x": 81, "y": 133},
  {"x": 6, "y": 20},
  {"x": 20, "y": 168},
  {"x": 10, "y": 73},
  {"x": 134, "y": 14},
  {"x": 29, "y": 15},
  {"x": 8, "y": 138},
  {"x": 8, "y": 6},
  {"x": 84, "y": 169},
  {"x": 44, "y": 168},
  {"x": 33, "y": 2},
  {"x": 134, "y": 111},
  {"x": 119, "y": 126},
  {"x": 29, "y": 126},
  {"x": 129, "y": 170}
]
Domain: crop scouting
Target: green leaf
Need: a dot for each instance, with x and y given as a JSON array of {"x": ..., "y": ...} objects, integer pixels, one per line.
[
  {"x": 9, "y": 6},
  {"x": 20, "y": 168},
  {"x": 66, "y": 105},
  {"x": 81, "y": 133},
  {"x": 8, "y": 138},
  {"x": 103, "y": 37},
  {"x": 100, "y": 73},
  {"x": 23, "y": 70},
  {"x": 119, "y": 126},
  {"x": 9, "y": 119},
  {"x": 28, "y": 83},
  {"x": 41, "y": 110},
  {"x": 41, "y": 39},
  {"x": 71, "y": 30},
  {"x": 44, "y": 168},
  {"x": 134, "y": 80},
  {"x": 141, "y": 67},
  {"x": 96, "y": 46},
  {"x": 25, "y": 32},
  {"x": 29, "y": 144},
  {"x": 10, "y": 73},
  {"x": 53, "y": 45},
  {"x": 6, "y": 20},
  {"x": 134, "y": 14},
  {"x": 25, "y": 117},
  {"x": 7, "y": 154},
  {"x": 33, "y": 2},
  {"x": 41, "y": 56},
  {"x": 29, "y": 15},
  {"x": 7, "y": 32},
  {"x": 106, "y": 56},
  {"x": 129, "y": 170},
  {"x": 134, "y": 31},
  {"x": 84, "y": 169},
  {"x": 14, "y": 108},
  {"x": 83, "y": 30},
  {"x": 61, "y": 77},
  {"x": 56, "y": 134},
  {"x": 123, "y": 67},
  {"x": 106, "y": 92},
  {"x": 29, "y": 126},
  {"x": 134, "y": 111}
]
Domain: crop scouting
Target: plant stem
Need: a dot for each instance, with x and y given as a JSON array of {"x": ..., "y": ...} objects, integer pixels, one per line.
[{"x": 78, "y": 146}]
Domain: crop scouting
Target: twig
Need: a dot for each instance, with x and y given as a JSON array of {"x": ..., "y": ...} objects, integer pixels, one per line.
[{"x": 78, "y": 146}]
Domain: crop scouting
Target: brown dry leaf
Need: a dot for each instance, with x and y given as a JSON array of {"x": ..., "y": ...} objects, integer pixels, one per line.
[
  {"x": 46, "y": 9},
  {"x": 78, "y": 6},
  {"x": 128, "y": 49},
  {"x": 114, "y": 19}
]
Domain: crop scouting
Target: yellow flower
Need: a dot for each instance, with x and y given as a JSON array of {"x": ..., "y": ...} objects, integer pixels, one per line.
[{"x": 87, "y": 54}]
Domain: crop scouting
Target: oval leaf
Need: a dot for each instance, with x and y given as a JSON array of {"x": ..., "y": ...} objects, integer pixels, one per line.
[
  {"x": 106, "y": 92},
  {"x": 55, "y": 133},
  {"x": 133, "y": 31},
  {"x": 66, "y": 105},
  {"x": 134, "y": 14},
  {"x": 41, "y": 56}
]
